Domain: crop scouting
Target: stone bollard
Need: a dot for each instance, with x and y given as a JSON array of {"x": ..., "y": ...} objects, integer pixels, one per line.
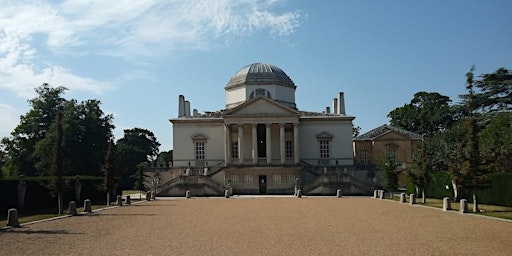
[
  {"x": 381, "y": 194},
  {"x": 375, "y": 193},
  {"x": 299, "y": 193},
  {"x": 338, "y": 193},
  {"x": 12, "y": 218},
  {"x": 187, "y": 194},
  {"x": 402, "y": 198},
  {"x": 412, "y": 199},
  {"x": 87, "y": 206},
  {"x": 226, "y": 193},
  {"x": 119, "y": 201},
  {"x": 128, "y": 200},
  {"x": 72, "y": 208},
  {"x": 148, "y": 196},
  {"x": 463, "y": 206},
  {"x": 153, "y": 195},
  {"x": 446, "y": 204}
]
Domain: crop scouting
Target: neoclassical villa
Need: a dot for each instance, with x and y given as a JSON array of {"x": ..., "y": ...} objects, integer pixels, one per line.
[{"x": 261, "y": 143}]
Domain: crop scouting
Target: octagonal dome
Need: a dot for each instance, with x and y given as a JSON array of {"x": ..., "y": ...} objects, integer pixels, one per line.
[{"x": 260, "y": 74}]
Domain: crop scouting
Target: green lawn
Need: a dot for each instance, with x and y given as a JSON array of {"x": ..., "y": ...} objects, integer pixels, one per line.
[
  {"x": 503, "y": 212},
  {"x": 30, "y": 216}
]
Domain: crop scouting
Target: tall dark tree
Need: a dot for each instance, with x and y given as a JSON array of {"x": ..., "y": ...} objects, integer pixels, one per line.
[
  {"x": 419, "y": 174},
  {"x": 140, "y": 178},
  {"x": 496, "y": 143},
  {"x": 55, "y": 169},
  {"x": 111, "y": 170},
  {"x": 493, "y": 92},
  {"x": 426, "y": 114},
  {"x": 389, "y": 167},
  {"x": 137, "y": 145},
  {"x": 33, "y": 126}
]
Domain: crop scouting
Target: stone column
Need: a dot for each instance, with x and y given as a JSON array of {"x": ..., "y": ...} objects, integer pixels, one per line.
[
  {"x": 412, "y": 199},
  {"x": 282, "y": 144},
  {"x": 187, "y": 194},
  {"x": 12, "y": 218},
  {"x": 338, "y": 193},
  {"x": 375, "y": 193},
  {"x": 227, "y": 146},
  {"x": 402, "y": 197},
  {"x": 87, "y": 206},
  {"x": 254, "y": 144},
  {"x": 268, "y": 137},
  {"x": 296, "y": 154},
  {"x": 446, "y": 204},
  {"x": 119, "y": 201},
  {"x": 463, "y": 206},
  {"x": 72, "y": 208},
  {"x": 240, "y": 143}
]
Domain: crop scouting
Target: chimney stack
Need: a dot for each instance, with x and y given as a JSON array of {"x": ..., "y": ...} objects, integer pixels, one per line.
[
  {"x": 335, "y": 106},
  {"x": 181, "y": 106},
  {"x": 341, "y": 104},
  {"x": 187, "y": 108}
]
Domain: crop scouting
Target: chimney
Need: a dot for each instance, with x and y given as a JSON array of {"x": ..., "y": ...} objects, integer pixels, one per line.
[
  {"x": 341, "y": 104},
  {"x": 327, "y": 110},
  {"x": 181, "y": 106},
  {"x": 195, "y": 112},
  {"x": 187, "y": 108},
  {"x": 335, "y": 106}
]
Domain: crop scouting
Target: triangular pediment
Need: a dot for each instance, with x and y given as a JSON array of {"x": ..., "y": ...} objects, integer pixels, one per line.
[{"x": 261, "y": 106}]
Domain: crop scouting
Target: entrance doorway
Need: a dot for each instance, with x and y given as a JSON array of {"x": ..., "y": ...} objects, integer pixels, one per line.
[
  {"x": 262, "y": 140},
  {"x": 263, "y": 184}
]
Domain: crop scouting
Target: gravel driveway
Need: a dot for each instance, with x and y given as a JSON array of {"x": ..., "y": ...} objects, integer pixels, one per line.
[{"x": 263, "y": 226}]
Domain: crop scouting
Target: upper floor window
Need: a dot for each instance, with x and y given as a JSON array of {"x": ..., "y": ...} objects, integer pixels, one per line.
[
  {"x": 324, "y": 149},
  {"x": 200, "y": 150},
  {"x": 364, "y": 156},
  {"x": 391, "y": 151},
  {"x": 234, "y": 149},
  {"x": 288, "y": 148},
  {"x": 260, "y": 92}
]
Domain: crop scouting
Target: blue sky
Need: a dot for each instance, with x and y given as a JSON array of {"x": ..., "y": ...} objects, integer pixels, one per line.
[{"x": 136, "y": 57}]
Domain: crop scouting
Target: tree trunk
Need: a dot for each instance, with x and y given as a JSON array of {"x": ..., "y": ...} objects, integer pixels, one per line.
[
  {"x": 475, "y": 202},
  {"x": 417, "y": 190},
  {"x": 59, "y": 202},
  {"x": 455, "y": 191},
  {"x": 423, "y": 198},
  {"x": 108, "y": 198}
]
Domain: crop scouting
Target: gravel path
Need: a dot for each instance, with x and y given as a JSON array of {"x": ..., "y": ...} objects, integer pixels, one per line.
[{"x": 263, "y": 226}]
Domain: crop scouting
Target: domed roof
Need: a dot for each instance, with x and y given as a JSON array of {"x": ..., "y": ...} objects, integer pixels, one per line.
[{"x": 260, "y": 74}]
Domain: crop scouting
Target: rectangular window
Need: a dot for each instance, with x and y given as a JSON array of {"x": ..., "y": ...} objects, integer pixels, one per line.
[
  {"x": 277, "y": 179},
  {"x": 200, "y": 150},
  {"x": 324, "y": 149},
  {"x": 291, "y": 179},
  {"x": 288, "y": 147},
  {"x": 392, "y": 153},
  {"x": 234, "y": 179},
  {"x": 234, "y": 149},
  {"x": 248, "y": 179},
  {"x": 364, "y": 157}
]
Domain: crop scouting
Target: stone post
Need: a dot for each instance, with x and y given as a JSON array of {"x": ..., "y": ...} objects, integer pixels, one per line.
[
  {"x": 446, "y": 204},
  {"x": 381, "y": 194},
  {"x": 187, "y": 194},
  {"x": 463, "y": 206},
  {"x": 375, "y": 193},
  {"x": 226, "y": 193},
  {"x": 148, "y": 196},
  {"x": 402, "y": 197},
  {"x": 299, "y": 193},
  {"x": 12, "y": 218},
  {"x": 128, "y": 200},
  {"x": 119, "y": 200},
  {"x": 87, "y": 206},
  {"x": 153, "y": 195},
  {"x": 412, "y": 199},
  {"x": 338, "y": 193},
  {"x": 72, "y": 208}
]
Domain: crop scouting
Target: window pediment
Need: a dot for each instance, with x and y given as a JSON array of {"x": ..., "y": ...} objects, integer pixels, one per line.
[
  {"x": 199, "y": 137},
  {"x": 324, "y": 136}
]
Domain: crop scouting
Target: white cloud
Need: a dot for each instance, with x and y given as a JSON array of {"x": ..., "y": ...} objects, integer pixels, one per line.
[
  {"x": 9, "y": 118},
  {"x": 130, "y": 30}
]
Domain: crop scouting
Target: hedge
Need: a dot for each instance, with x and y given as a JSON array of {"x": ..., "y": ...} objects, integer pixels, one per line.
[
  {"x": 37, "y": 195},
  {"x": 498, "y": 193}
]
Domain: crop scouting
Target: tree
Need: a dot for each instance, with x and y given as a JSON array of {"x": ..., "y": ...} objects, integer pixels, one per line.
[
  {"x": 388, "y": 165},
  {"x": 419, "y": 174},
  {"x": 426, "y": 114},
  {"x": 494, "y": 92},
  {"x": 111, "y": 170},
  {"x": 33, "y": 126},
  {"x": 55, "y": 158},
  {"x": 165, "y": 157},
  {"x": 140, "y": 178},
  {"x": 137, "y": 145},
  {"x": 496, "y": 143}
]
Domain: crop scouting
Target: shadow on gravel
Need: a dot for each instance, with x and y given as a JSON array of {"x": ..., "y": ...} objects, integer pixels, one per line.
[
  {"x": 117, "y": 214},
  {"x": 39, "y": 232}
]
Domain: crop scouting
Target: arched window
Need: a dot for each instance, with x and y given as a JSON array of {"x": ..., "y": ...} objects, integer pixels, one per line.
[{"x": 259, "y": 92}]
